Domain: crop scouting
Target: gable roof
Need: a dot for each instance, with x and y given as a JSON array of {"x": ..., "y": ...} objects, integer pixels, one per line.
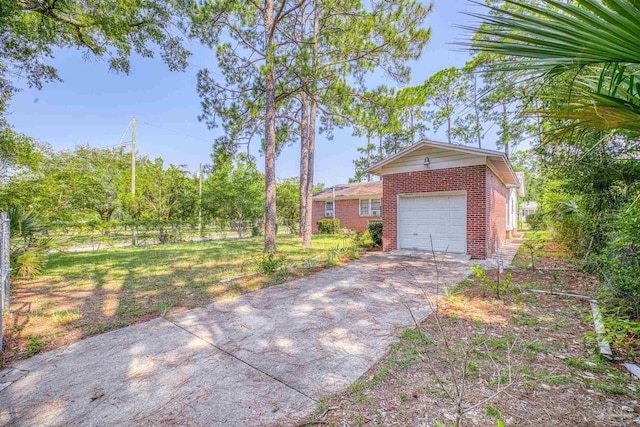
[
  {"x": 496, "y": 160},
  {"x": 372, "y": 189}
]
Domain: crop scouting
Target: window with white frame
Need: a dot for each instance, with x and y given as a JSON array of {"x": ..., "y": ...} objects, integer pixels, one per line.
[
  {"x": 370, "y": 207},
  {"x": 328, "y": 209}
]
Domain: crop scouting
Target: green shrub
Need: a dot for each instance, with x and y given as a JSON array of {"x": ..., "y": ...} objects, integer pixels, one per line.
[
  {"x": 347, "y": 232},
  {"x": 328, "y": 226},
  {"x": 363, "y": 240},
  {"x": 375, "y": 230},
  {"x": 268, "y": 264},
  {"x": 535, "y": 221},
  {"x": 500, "y": 288},
  {"x": 29, "y": 244}
]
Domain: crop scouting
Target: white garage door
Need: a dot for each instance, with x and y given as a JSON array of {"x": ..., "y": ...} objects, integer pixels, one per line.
[{"x": 438, "y": 219}]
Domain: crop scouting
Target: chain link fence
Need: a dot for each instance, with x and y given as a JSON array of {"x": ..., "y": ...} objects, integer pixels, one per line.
[{"x": 96, "y": 236}]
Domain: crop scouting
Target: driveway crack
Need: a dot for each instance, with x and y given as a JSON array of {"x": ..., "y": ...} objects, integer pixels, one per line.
[{"x": 244, "y": 362}]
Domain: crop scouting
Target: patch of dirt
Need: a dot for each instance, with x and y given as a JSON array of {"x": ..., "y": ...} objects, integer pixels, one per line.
[{"x": 526, "y": 360}]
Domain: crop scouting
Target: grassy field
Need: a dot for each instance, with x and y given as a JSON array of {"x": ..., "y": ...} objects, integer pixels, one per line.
[
  {"x": 83, "y": 294},
  {"x": 120, "y": 236}
]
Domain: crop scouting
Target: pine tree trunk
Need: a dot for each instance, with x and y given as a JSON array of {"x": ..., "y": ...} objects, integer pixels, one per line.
[
  {"x": 304, "y": 165},
  {"x": 270, "y": 133},
  {"x": 311, "y": 134},
  {"x": 306, "y": 238}
]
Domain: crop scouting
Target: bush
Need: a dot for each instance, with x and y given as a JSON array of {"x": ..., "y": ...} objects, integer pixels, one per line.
[
  {"x": 347, "y": 232},
  {"x": 619, "y": 264},
  {"x": 29, "y": 244},
  {"x": 363, "y": 240},
  {"x": 535, "y": 221},
  {"x": 328, "y": 226},
  {"x": 375, "y": 230}
]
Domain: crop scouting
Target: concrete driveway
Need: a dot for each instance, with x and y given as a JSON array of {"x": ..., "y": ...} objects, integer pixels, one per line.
[{"x": 263, "y": 358}]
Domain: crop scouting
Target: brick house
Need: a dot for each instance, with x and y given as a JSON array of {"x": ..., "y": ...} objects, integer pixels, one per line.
[
  {"x": 450, "y": 197},
  {"x": 355, "y": 205}
]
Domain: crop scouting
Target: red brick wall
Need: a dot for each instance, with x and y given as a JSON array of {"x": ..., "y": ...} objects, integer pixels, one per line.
[
  {"x": 497, "y": 209},
  {"x": 347, "y": 211},
  {"x": 473, "y": 179}
]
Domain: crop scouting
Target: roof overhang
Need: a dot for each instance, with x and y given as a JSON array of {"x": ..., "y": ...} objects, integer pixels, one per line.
[
  {"x": 329, "y": 197},
  {"x": 497, "y": 161}
]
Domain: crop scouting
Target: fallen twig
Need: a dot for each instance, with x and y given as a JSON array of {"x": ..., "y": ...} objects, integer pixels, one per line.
[
  {"x": 317, "y": 420},
  {"x": 562, "y": 294}
]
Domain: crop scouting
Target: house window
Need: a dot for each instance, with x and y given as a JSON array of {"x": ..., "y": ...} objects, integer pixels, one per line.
[
  {"x": 375, "y": 207},
  {"x": 370, "y": 207},
  {"x": 328, "y": 209}
]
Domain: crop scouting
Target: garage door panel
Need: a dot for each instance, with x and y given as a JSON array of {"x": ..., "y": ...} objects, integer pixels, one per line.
[
  {"x": 457, "y": 229},
  {"x": 458, "y": 216},
  {"x": 440, "y": 220}
]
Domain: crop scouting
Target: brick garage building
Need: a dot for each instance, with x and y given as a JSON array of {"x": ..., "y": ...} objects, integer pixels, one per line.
[
  {"x": 448, "y": 197},
  {"x": 355, "y": 205}
]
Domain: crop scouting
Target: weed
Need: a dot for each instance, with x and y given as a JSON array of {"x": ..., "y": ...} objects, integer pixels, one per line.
[
  {"x": 536, "y": 347},
  {"x": 499, "y": 380},
  {"x": 163, "y": 307},
  {"x": 495, "y": 343},
  {"x": 560, "y": 379},
  {"x": 34, "y": 345},
  {"x": 129, "y": 308},
  {"x": 499, "y": 288},
  {"x": 586, "y": 365},
  {"x": 310, "y": 263},
  {"x": 492, "y": 412},
  {"x": 415, "y": 336},
  {"x": 269, "y": 263},
  {"x": 620, "y": 330},
  {"x": 66, "y": 317},
  {"x": 522, "y": 318},
  {"x": 534, "y": 245},
  {"x": 607, "y": 388},
  {"x": 555, "y": 282}
]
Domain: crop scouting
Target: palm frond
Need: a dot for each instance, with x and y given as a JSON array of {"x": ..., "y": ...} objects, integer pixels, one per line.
[
  {"x": 605, "y": 101},
  {"x": 596, "y": 38},
  {"x": 560, "y": 36}
]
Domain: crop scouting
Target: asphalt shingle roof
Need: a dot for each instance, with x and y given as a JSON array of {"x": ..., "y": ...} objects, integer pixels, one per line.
[{"x": 354, "y": 191}]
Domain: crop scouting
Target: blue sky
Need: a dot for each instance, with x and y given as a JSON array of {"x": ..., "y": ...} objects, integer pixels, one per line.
[{"x": 94, "y": 106}]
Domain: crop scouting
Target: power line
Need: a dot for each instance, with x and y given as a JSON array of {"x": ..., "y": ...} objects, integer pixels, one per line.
[
  {"x": 121, "y": 143},
  {"x": 176, "y": 132}
]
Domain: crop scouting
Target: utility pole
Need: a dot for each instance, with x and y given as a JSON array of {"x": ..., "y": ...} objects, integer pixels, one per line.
[
  {"x": 133, "y": 156},
  {"x": 200, "y": 202}
]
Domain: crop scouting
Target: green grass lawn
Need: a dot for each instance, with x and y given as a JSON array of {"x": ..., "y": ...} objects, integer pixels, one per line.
[{"x": 85, "y": 293}]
